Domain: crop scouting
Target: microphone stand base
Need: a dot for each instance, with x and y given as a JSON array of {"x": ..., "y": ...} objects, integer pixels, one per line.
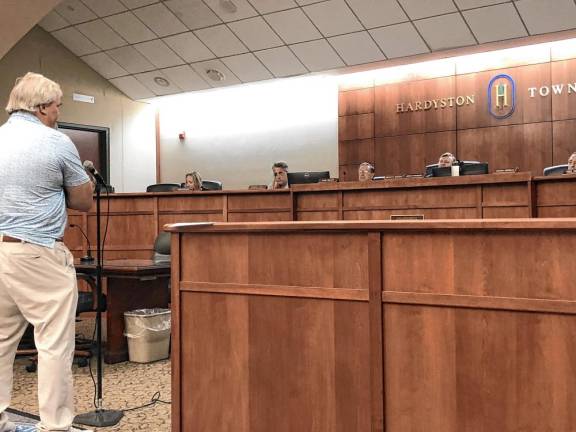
[{"x": 99, "y": 418}]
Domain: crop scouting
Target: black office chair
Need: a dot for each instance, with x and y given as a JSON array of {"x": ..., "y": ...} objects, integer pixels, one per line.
[
  {"x": 163, "y": 187},
  {"x": 555, "y": 170},
  {"x": 211, "y": 185},
  {"x": 162, "y": 247}
]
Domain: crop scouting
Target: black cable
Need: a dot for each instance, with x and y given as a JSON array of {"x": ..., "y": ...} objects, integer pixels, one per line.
[{"x": 155, "y": 399}]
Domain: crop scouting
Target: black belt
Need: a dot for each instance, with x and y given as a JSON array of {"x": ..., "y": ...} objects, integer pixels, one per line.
[{"x": 7, "y": 239}]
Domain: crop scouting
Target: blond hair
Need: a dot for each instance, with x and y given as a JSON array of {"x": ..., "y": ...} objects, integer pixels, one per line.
[
  {"x": 32, "y": 91},
  {"x": 196, "y": 180}
]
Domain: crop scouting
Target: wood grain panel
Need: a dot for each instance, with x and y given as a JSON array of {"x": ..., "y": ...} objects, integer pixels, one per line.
[
  {"x": 449, "y": 213},
  {"x": 133, "y": 230},
  {"x": 557, "y": 211},
  {"x": 317, "y": 200},
  {"x": 505, "y": 194},
  {"x": 559, "y": 191},
  {"x": 259, "y": 201},
  {"x": 478, "y": 370},
  {"x": 356, "y": 102},
  {"x": 356, "y": 151},
  {"x": 564, "y": 144},
  {"x": 355, "y": 127},
  {"x": 259, "y": 216},
  {"x": 564, "y": 103},
  {"x": 438, "y": 197},
  {"x": 216, "y": 359},
  {"x": 317, "y": 215},
  {"x": 460, "y": 260},
  {"x": 197, "y": 201},
  {"x": 528, "y": 146},
  {"x": 119, "y": 204},
  {"x": 506, "y": 212},
  {"x": 528, "y": 110},
  {"x": 409, "y": 154},
  {"x": 387, "y": 97},
  {"x": 348, "y": 172}
]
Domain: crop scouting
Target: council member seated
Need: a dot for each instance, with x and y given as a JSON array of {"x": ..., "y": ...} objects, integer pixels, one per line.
[
  {"x": 280, "y": 172},
  {"x": 365, "y": 172},
  {"x": 446, "y": 160},
  {"x": 193, "y": 181},
  {"x": 571, "y": 169}
]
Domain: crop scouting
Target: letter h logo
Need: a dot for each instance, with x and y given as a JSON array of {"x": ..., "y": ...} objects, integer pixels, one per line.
[{"x": 501, "y": 90}]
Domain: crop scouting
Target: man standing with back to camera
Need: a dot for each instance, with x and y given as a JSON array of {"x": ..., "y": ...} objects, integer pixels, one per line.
[{"x": 40, "y": 175}]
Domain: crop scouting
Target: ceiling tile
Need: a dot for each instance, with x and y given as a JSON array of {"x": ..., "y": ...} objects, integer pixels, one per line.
[
  {"x": 104, "y": 65},
  {"x": 159, "y": 18},
  {"x": 377, "y": 13},
  {"x": 185, "y": 78},
  {"x": 495, "y": 23},
  {"x": 221, "y": 41},
  {"x": 399, "y": 40},
  {"x": 202, "y": 68},
  {"x": 132, "y": 88},
  {"x": 194, "y": 13},
  {"x": 159, "y": 54},
  {"x": 52, "y": 22},
  {"x": 189, "y": 47},
  {"x": 293, "y": 26},
  {"x": 130, "y": 59},
  {"x": 247, "y": 68},
  {"x": 425, "y": 8},
  {"x": 255, "y": 33},
  {"x": 231, "y": 10},
  {"x": 148, "y": 79},
  {"x": 471, "y": 4},
  {"x": 333, "y": 17},
  {"x": 547, "y": 16},
  {"x": 267, "y": 6},
  {"x": 317, "y": 55},
  {"x": 132, "y": 4},
  {"x": 281, "y": 62},
  {"x": 75, "y": 12},
  {"x": 101, "y": 34},
  {"x": 75, "y": 41},
  {"x": 104, "y": 8},
  {"x": 130, "y": 27},
  {"x": 357, "y": 48},
  {"x": 446, "y": 31}
]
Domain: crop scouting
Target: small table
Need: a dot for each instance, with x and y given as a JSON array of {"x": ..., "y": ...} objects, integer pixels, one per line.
[{"x": 131, "y": 284}]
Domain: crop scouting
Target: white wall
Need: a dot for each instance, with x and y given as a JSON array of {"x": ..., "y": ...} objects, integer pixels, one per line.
[{"x": 236, "y": 134}]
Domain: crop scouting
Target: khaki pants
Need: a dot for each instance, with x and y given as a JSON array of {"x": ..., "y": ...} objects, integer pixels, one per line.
[{"x": 38, "y": 285}]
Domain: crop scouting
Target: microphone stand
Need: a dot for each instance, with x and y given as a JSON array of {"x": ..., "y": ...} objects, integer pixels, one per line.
[
  {"x": 100, "y": 417},
  {"x": 88, "y": 258}
]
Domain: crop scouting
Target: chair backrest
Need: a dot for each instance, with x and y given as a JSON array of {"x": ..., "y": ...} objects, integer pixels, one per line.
[
  {"x": 429, "y": 168},
  {"x": 162, "y": 243},
  {"x": 211, "y": 185},
  {"x": 163, "y": 187},
  {"x": 555, "y": 170}
]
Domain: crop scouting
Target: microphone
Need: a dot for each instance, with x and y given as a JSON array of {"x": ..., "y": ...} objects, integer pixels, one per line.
[
  {"x": 88, "y": 259},
  {"x": 89, "y": 166}
]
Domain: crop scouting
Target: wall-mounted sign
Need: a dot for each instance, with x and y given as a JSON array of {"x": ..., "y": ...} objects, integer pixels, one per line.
[
  {"x": 440, "y": 103},
  {"x": 501, "y": 96},
  {"x": 557, "y": 89}
]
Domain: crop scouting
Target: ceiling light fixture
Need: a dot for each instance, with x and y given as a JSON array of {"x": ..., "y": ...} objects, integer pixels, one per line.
[
  {"x": 161, "y": 81},
  {"x": 215, "y": 75},
  {"x": 229, "y": 6}
]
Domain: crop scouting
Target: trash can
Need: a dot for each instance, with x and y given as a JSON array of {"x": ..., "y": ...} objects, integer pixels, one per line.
[{"x": 148, "y": 333}]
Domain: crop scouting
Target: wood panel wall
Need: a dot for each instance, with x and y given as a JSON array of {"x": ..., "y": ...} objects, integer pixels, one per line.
[{"x": 538, "y": 134}]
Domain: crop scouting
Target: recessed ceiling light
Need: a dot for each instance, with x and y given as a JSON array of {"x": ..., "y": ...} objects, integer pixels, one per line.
[
  {"x": 161, "y": 81},
  {"x": 215, "y": 75}
]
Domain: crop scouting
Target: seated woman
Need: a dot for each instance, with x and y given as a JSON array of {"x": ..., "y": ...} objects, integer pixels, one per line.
[
  {"x": 193, "y": 181},
  {"x": 365, "y": 171},
  {"x": 571, "y": 164},
  {"x": 446, "y": 160}
]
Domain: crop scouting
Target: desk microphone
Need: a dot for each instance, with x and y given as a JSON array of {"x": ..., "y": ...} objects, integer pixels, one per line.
[
  {"x": 87, "y": 259},
  {"x": 89, "y": 166}
]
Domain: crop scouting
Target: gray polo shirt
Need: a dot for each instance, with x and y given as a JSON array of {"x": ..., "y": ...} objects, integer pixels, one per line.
[{"x": 36, "y": 163}]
